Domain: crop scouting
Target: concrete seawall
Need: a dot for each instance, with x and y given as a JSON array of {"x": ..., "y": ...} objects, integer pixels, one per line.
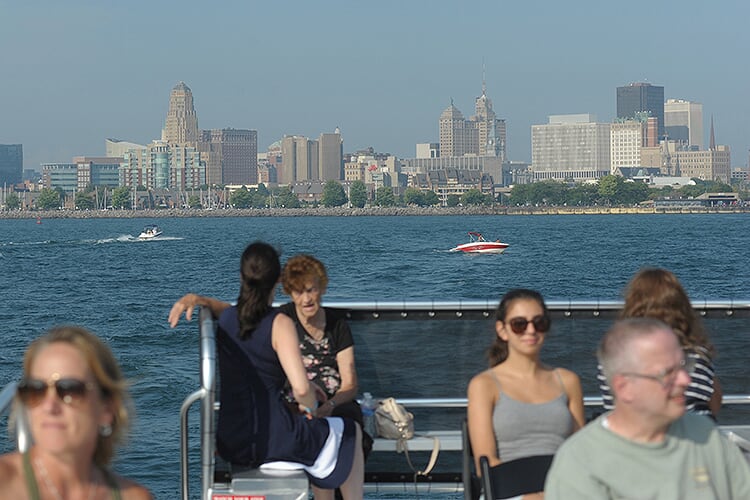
[{"x": 355, "y": 212}]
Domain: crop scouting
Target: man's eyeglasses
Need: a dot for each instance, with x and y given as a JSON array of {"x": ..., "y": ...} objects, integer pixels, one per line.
[
  {"x": 667, "y": 376},
  {"x": 71, "y": 391},
  {"x": 518, "y": 325}
]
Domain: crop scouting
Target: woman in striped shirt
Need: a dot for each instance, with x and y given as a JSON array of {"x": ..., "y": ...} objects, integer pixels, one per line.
[{"x": 657, "y": 293}]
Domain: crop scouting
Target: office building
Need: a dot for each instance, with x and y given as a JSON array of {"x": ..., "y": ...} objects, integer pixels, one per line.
[
  {"x": 11, "y": 164},
  {"x": 641, "y": 98},
  {"x": 182, "y": 122},
  {"x": 331, "y": 154},
  {"x": 231, "y": 156},
  {"x": 491, "y": 130},
  {"x": 683, "y": 121},
  {"x": 626, "y": 142},
  {"x": 458, "y": 136},
  {"x": 299, "y": 159},
  {"x": 570, "y": 147},
  {"x": 97, "y": 171}
]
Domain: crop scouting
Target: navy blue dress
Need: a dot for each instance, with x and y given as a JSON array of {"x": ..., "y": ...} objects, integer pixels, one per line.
[{"x": 255, "y": 426}]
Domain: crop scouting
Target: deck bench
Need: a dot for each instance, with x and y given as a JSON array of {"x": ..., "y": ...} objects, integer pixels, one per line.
[{"x": 449, "y": 441}]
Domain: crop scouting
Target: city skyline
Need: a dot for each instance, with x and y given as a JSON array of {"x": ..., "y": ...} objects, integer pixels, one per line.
[{"x": 382, "y": 73}]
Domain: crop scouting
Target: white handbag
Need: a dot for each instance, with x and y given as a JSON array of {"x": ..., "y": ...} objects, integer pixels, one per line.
[{"x": 392, "y": 421}]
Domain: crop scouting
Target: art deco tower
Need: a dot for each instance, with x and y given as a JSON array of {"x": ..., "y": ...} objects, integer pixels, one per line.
[
  {"x": 491, "y": 130},
  {"x": 182, "y": 122}
]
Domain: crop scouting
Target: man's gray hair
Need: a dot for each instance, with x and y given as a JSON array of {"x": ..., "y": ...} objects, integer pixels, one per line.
[{"x": 615, "y": 352}]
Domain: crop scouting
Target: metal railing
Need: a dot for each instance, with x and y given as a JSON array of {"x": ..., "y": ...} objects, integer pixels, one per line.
[
  {"x": 405, "y": 310},
  {"x": 206, "y": 394}
]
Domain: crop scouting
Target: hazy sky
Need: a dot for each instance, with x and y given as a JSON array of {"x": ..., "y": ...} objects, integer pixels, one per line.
[{"x": 75, "y": 72}]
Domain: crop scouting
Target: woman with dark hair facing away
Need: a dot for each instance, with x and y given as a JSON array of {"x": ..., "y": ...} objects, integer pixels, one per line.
[
  {"x": 76, "y": 402},
  {"x": 258, "y": 353},
  {"x": 657, "y": 293},
  {"x": 521, "y": 407}
]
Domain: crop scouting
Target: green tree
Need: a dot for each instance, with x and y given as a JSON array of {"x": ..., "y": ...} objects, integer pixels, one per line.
[
  {"x": 431, "y": 198},
  {"x": 519, "y": 194},
  {"x": 333, "y": 194},
  {"x": 241, "y": 198},
  {"x": 12, "y": 201},
  {"x": 608, "y": 188},
  {"x": 194, "y": 201},
  {"x": 384, "y": 197},
  {"x": 285, "y": 198},
  {"x": 472, "y": 197},
  {"x": 358, "y": 194},
  {"x": 83, "y": 201},
  {"x": 413, "y": 196},
  {"x": 48, "y": 199},
  {"x": 631, "y": 193},
  {"x": 582, "y": 195},
  {"x": 121, "y": 198},
  {"x": 453, "y": 200}
]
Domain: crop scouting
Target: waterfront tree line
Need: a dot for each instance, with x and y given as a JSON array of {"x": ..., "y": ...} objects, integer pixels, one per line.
[{"x": 610, "y": 190}]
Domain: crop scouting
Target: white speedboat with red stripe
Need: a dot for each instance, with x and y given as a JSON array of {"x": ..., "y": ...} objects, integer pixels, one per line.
[{"x": 477, "y": 244}]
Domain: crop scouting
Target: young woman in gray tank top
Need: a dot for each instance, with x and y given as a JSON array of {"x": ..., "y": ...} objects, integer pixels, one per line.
[{"x": 521, "y": 407}]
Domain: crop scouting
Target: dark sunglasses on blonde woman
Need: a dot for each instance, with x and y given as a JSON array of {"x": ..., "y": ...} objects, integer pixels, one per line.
[
  {"x": 518, "y": 325},
  {"x": 70, "y": 391}
]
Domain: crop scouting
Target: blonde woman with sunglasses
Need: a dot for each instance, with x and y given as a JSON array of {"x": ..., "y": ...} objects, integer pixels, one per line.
[
  {"x": 75, "y": 399},
  {"x": 521, "y": 407}
]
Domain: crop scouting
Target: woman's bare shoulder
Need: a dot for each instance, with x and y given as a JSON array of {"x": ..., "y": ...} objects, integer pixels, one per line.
[
  {"x": 11, "y": 476},
  {"x": 483, "y": 380}
]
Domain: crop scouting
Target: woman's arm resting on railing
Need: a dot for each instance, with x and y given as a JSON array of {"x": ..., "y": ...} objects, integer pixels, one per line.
[{"x": 190, "y": 301}]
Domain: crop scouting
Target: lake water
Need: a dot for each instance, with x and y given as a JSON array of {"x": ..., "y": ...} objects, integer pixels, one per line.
[{"x": 94, "y": 272}]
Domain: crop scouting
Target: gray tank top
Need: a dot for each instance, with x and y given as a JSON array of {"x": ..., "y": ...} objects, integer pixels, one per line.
[{"x": 528, "y": 429}]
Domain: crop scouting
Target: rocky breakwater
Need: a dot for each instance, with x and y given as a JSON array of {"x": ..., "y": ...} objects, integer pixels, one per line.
[{"x": 252, "y": 212}]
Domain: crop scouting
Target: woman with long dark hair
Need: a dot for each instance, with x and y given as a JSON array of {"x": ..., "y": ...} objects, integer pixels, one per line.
[
  {"x": 521, "y": 407},
  {"x": 258, "y": 353}
]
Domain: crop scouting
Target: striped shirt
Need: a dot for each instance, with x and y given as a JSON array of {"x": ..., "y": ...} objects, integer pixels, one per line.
[{"x": 697, "y": 394}]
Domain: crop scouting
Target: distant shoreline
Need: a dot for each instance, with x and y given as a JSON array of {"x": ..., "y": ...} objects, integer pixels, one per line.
[{"x": 359, "y": 212}]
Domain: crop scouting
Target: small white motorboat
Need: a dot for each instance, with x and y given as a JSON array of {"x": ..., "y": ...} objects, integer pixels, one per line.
[
  {"x": 477, "y": 244},
  {"x": 149, "y": 232}
]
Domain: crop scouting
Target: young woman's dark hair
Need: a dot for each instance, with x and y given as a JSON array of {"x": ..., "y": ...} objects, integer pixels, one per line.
[
  {"x": 498, "y": 351},
  {"x": 259, "y": 272}
]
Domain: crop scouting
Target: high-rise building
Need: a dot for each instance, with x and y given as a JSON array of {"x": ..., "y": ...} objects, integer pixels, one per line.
[
  {"x": 570, "y": 147},
  {"x": 331, "y": 155},
  {"x": 232, "y": 155},
  {"x": 11, "y": 164},
  {"x": 182, "y": 122},
  {"x": 683, "y": 122},
  {"x": 626, "y": 142},
  {"x": 299, "y": 159},
  {"x": 458, "y": 136},
  {"x": 491, "y": 129},
  {"x": 641, "y": 97}
]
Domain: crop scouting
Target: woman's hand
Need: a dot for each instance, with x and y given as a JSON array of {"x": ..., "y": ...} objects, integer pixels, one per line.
[
  {"x": 190, "y": 301},
  {"x": 184, "y": 304}
]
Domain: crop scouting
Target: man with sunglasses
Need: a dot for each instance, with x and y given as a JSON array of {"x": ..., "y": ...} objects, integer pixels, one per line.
[{"x": 647, "y": 446}]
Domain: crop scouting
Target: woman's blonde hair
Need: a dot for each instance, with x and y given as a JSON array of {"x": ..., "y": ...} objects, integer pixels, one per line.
[{"x": 106, "y": 371}]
